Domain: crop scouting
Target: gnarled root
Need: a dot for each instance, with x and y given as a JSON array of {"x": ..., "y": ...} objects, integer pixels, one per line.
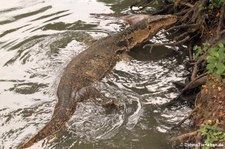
[{"x": 183, "y": 137}]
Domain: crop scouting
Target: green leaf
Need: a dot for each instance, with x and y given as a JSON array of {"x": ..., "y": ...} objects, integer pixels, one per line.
[
  {"x": 210, "y": 67},
  {"x": 196, "y": 48},
  {"x": 211, "y": 51},
  {"x": 206, "y": 46},
  {"x": 216, "y": 54},
  {"x": 220, "y": 69},
  {"x": 211, "y": 59},
  {"x": 221, "y": 55},
  {"x": 221, "y": 45}
]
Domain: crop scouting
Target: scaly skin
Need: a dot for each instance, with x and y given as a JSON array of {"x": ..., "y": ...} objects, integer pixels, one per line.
[{"x": 92, "y": 65}]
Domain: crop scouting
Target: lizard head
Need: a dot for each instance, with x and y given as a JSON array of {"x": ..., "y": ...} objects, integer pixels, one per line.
[
  {"x": 155, "y": 23},
  {"x": 147, "y": 28},
  {"x": 133, "y": 19}
]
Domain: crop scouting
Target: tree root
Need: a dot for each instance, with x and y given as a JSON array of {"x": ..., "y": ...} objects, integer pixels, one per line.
[
  {"x": 194, "y": 25},
  {"x": 192, "y": 18},
  {"x": 182, "y": 12},
  {"x": 183, "y": 137},
  {"x": 195, "y": 14},
  {"x": 221, "y": 24},
  {"x": 186, "y": 118},
  {"x": 179, "y": 2},
  {"x": 182, "y": 36},
  {"x": 197, "y": 63},
  {"x": 221, "y": 19},
  {"x": 198, "y": 140},
  {"x": 168, "y": 44},
  {"x": 195, "y": 83},
  {"x": 222, "y": 32},
  {"x": 190, "y": 53}
]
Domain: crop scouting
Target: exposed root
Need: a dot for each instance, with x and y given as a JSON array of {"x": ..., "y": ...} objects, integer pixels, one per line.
[
  {"x": 222, "y": 32},
  {"x": 168, "y": 44},
  {"x": 221, "y": 19},
  {"x": 183, "y": 26},
  {"x": 183, "y": 137},
  {"x": 182, "y": 36},
  {"x": 190, "y": 53},
  {"x": 198, "y": 140},
  {"x": 179, "y": 2},
  {"x": 195, "y": 14},
  {"x": 195, "y": 83},
  {"x": 221, "y": 24},
  {"x": 186, "y": 118},
  {"x": 182, "y": 12},
  {"x": 195, "y": 69}
]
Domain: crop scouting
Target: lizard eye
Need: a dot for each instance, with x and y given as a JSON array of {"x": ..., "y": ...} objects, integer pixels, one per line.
[
  {"x": 122, "y": 43},
  {"x": 130, "y": 40},
  {"x": 119, "y": 52}
]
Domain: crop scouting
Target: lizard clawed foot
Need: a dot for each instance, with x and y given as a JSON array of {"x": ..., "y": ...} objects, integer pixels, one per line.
[{"x": 109, "y": 103}]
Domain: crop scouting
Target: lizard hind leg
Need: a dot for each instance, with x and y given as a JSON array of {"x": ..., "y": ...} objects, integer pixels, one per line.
[
  {"x": 98, "y": 98},
  {"x": 108, "y": 103}
]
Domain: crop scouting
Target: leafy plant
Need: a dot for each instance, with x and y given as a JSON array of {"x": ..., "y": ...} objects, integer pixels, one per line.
[
  {"x": 211, "y": 133},
  {"x": 215, "y": 3},
  {"x": 199, "y": 51},
  {"x": 215, "y": 58},
  {"x": 216, "y": 61}
]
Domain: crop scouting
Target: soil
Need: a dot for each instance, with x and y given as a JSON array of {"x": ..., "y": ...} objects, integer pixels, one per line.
[{"x": 211, "y": 104}]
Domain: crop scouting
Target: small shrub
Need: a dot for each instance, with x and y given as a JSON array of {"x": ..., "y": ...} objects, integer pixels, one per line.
[
  {"x": 199, "y": 51},
  {"x": 211, "y": 134},
  {"x": 214, "y": 4},
  {"x": 216, "y": 61},
  {"x": 215, "y": 58}
]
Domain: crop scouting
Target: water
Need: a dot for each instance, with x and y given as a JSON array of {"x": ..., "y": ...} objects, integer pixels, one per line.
[{"x": 37, "y": 40}]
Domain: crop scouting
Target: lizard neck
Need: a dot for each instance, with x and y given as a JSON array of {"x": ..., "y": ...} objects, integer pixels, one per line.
[{"x": 143, "y": 30}]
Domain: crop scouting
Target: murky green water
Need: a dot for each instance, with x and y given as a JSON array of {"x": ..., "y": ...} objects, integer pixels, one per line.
[{"x": 39, "y": 37}]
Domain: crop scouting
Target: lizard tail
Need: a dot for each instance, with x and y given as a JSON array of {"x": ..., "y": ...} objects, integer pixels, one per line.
[{"x": 53, "y": 126}]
